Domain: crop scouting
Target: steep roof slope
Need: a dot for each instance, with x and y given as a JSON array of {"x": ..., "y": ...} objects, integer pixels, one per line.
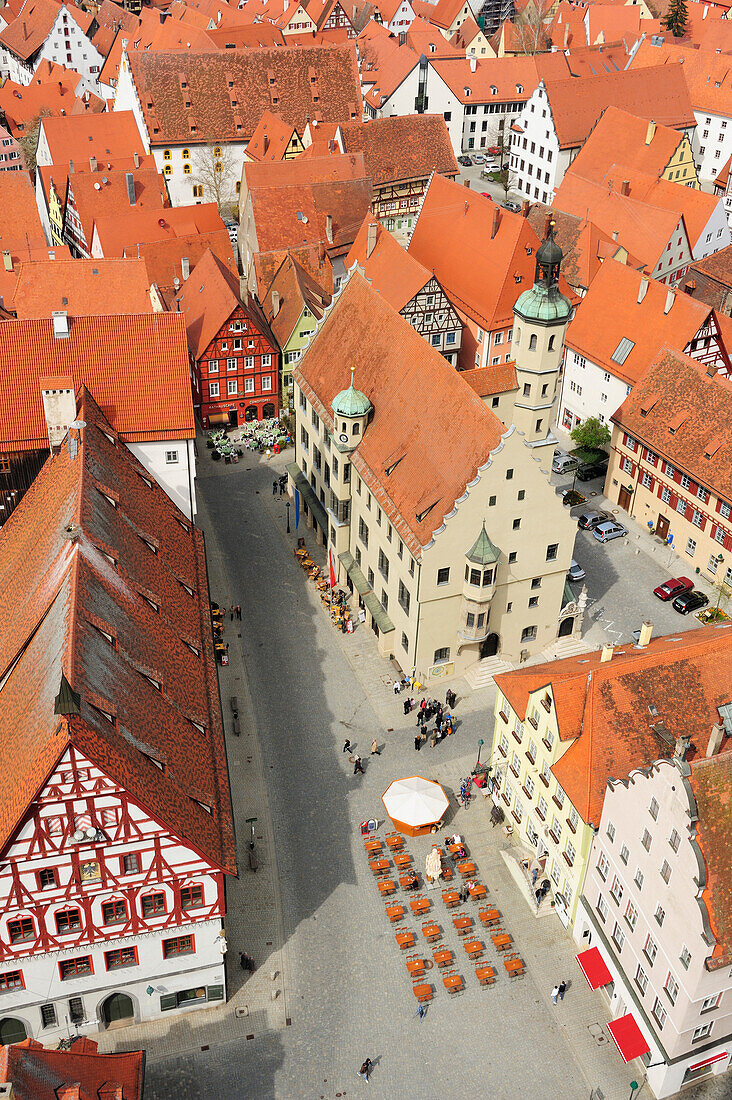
[
  {"x": 93, "y": 544},
  {"x": 81, "y": 287},
  {"x": 390, "y": 269},
  {"x": 40, "y": 1074},
  {"x": 401, "y": 147},
  {"x": 711, "y": 782},
  {"x": 295, "y": 289}
]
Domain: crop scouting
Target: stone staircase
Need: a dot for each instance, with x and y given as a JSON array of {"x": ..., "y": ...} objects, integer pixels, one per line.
[
  {"x": 566, "y": 647},
  {"x": 514, "y": 858},
  {"x": 482, "y": 673}
]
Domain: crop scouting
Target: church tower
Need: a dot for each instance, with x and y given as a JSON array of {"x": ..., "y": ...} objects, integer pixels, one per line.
[{"x": 540, "y": 322}]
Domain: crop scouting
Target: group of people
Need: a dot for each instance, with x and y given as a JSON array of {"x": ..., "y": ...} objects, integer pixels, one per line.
[
  {"x": 235, "y": 612},
  {"x": 279, "y": 486},
  {"x": 429, "y": 710}
]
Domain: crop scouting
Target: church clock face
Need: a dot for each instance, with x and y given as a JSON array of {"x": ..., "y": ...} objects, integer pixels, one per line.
[{"x": 343, "y": 437}]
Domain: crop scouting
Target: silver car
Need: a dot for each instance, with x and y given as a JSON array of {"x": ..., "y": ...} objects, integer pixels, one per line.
[
  {"x": 604, "y": 532},
  {"x": 575, "y": 571}
]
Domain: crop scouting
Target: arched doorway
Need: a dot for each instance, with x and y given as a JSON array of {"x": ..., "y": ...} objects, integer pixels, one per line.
[
  {"x": 489, "y": 648},
  {"x": 118, "y": 1010},
  {"x": 268, "y": 411},
  {"x": 12, "y": 1031},
  {"x": 566, "y": 627},
  {"x": 250, "y": 413}
]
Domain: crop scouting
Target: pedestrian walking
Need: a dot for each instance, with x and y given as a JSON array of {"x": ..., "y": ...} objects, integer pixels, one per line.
[
  {"x": 246, "y": 962},
  {"x": 237, "y": 609},
  {"x": 375, "y": 750},
  {"x": 418, "y": 742},
  {"x": 555, "y": 993},
  {"x": 421, "y": 1012},
  {"x": 407, "y": 707},
  {"x": 365, "y": 1069},
  {"x": 357, "y": 765},
  {"x": 438, "y": 720},
  {"x": 274, "y": 488},
  {"x": 231, "y": 612},
  {"x": 397, "y": 687},
  {"x": 562, "y": 990},
  {"x": 346, "y": 745}
]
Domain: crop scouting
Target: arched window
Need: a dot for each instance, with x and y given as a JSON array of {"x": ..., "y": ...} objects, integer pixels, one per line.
[
  {"x": 532, "y": 343},
  {"x": 186, "y": 154},
  {"x": 167, "y": 154},
  {"x": 197, "y": 191},
  {"x": 551, "y": 343},
  {"x": 217, "y": 151},
  {"x": 186, "y": 169},
  {"x": 517, "y": 337},
  {"x": 167, "y": 170},
  {"x": 217, "y": 166},
  {"x": 355, "y": 430}
]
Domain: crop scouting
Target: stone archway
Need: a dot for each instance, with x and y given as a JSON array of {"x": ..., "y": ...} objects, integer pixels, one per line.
[
  {"x": 12, "y": 1030},
  {"x": 566, "y": 627},
  {"x": 268, "y": 411},
  {"x": 117, "y": 1010},
  {"x": 489, "y": 648}
]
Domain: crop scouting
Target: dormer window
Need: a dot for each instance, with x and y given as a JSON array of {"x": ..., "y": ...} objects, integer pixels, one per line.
[
  {"x": 519, "y": 89},
  {"x": 494, "y": 90}
]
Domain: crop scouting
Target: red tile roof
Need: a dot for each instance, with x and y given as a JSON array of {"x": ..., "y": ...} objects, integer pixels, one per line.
[
  {"x": 107, "y": 136},
  {"x": 660, "y": 94},
  {"x": 477, "y": 270},
  {"x": 296, "y": 289},
  {"x": 711, "y": 782},
  {"x": 603, "y": 707},
  {"x": 706, "y": 72},
  {"x": 247, "y": 36},
  {"x": 610, "y": 310},
  {"x": 506, "y": 74},
  {"x": 39, "y": 1074},
  {"x": 402, "y": 376},
  {"x": 312, "y": 258},
  {"x": 103, "y": 194},
  {"x": 54, "y": 590},
  {"x": 26, "y": 34},
  {"x": 299, "y": 82},
  {"x": 270, "y": 140},
  {"x": 154, "y": 33},
  {"x": 713, "y": 280},
  {"x": 390, "y": 269},
  {"x": 676, "y": 391},
  {"x": 136, "y": 364},
  {"x": 619, "y": 137},
  {"x": 487, "y": 381},
  {"x": 120, "y": 235},
  {"x": 81, "y": 287},
  {"x": 401, "y": 147},
  {"x": 52, "y": 89},
  {"x": 584, "y": 245}
]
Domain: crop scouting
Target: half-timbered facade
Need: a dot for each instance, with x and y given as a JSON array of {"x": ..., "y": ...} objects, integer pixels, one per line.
[
  {"x": 234, "y": 356},
  {"x": 116, "y": 828},
  {"x": 332, "y": 16},
  {"x": 433, "y": 316}
]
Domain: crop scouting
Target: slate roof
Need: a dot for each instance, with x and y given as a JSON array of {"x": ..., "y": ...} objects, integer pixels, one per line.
[
  {"x": 298, "y": 82},
  {"x": 401, "y": 147},
  {"x": 711, "y": 782},
  {"x": 40, "y": 1074},
  {"x": 676, "y": 390},
  {"x": 59, "y": 590},
  {"x": 401, "y": 375},
  {"x": 603, "y": 707},
  {"x": 137, "y": 365}
]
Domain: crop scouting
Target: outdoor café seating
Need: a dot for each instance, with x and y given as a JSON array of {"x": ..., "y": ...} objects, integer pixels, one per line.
[
  {"x": 379, "y": 866},
  {"x": 473, "y": 949},
  {"x": 395, "y": 841},
  {"x": 514, "y": 966},
  {"x": 477, "y": 890},
  {"x": 402, "y": 859},
  {"x": 415, "y": 966},
  {"x": 404, "y": 938},
  {"x": 466, "y": 868},
  {"x": 485, "y": 974},
  {"x": 387, "y": 886},
  {"x": 422, "y": 992},
  {"x": 462, "y": 924},
  {"x": 501, "y": 940},
  {"x": 395, "y": 912},
  {"x": 420, "y": 905},
  {"x": 372, "y": 845},
  {"x": 409, "y": 881},
  {"x": 489, "y": 917},
  {"x": 452, "y": 982},
  {"x": 443, "y": 956},
  {"x": 431, "y": 931},
  {"x": 451, "y": 898}
]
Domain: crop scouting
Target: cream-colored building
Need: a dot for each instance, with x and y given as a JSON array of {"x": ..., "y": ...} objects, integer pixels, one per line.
[{"x": 440, "y": 517}]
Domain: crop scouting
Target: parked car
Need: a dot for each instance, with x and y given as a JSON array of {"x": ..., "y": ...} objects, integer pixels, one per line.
[
  {"x": 575, "y": 571},
  {"x": 675, "y": 587},
  {"x": 690, "y": 601},
  {"x": 514, "y": 207},
  {"x": 587, "y": 471},
  {"x": 484, "y": 195},
  {"x": 478, "y": 159},
  {"x": 562, "y": 462},
  {"x": 591, "y": 519},
  {"x": 605, "y": 532},
  {"x": 465, "y": 161},
  {"x": 494, "y": 150}
]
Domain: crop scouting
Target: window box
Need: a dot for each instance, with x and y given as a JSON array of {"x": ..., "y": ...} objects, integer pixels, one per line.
[
  {"x": 544, "y": 779},
  {"x": 503, "y": 716},
  {"x": 554, "y": 837},
  {"x": 547, "y": 704},
  {"x": 556, "y": 802},
  {"x": 533, "y": 722}
]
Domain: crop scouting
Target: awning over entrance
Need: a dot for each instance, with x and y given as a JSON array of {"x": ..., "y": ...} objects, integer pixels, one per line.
[
  {"x": 628, "y": 1037},
  {"x": 594, "y": 968},
  {"x": 366, "y": 592},
  {"x": 218, "y": 418},
  {"x": 307, "y": 493}
]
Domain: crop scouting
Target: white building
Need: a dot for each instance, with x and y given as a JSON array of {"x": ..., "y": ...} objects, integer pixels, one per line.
[{"x": 39, "y": 34}]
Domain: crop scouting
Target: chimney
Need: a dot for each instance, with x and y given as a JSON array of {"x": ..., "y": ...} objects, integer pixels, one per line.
[
  {"x": 25, "y": 31},
  {"x": 329, "y": 227},
  {"x": 650, "y": 132},
  {"x": 185, "y": 267},
  {"x": 136, "y": 159},
  {"x": 704, "y": 13},
  {"x": 496, "y": 222},
  {"x": 616, "y": 234},
  {"x": 525, "y": 208},
  {"x": 715, "y": 739},
  {"x": 130, "y": 181},
  {"x": 473, "y": 63},
  {"x": 71, "y": 167},
  {"x": 265, "y": 143},
  {"x": 645, "y": 634},
  {"x": 642, "y": 288},
  {"x": 92, "y": 164},
  {"x": 670, "y": 299},
  {"x": 7, "y": 260},
  {"x": 566, "y": 35},
  {"x": 59, "y": 406},
  {"x": 681, "y": 747},
  {"x": 607, "y": 654},
  {"x": 371, "y": 239},
  {"x": 625, "y": 187},
  {"x": 275, "y": 303}
]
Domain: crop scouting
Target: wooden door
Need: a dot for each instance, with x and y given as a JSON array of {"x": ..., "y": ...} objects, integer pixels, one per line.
[
  {"x": 624, "y": 498},
  {"x": 662, "y": 527}
]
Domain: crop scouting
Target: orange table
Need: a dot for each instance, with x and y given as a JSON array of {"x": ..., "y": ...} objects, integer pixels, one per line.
[
  {"x": 453, "y": 983},
  {"x": 395, "y": 912},
  {"x": 415, "y": 967},
  {"x": 486, "y": 975},
  {"x": 474, "y": 948},
  {"x": 420, "y": 905},
  {"x": 451, "y": 898},
  {"x": 422, "y": 992},
  {"x": 372, "y": 845},
  {"x": 514, "y": 966},
  {"x": 431, "y": 931},
  {"x": 502, "y": 941},
  {"x": 454, "y": 848},
  {"x": 489, "y": 917},
  {"x": 477, "y": 890},
  {"x": 387, "y": 886},
  {"x": 466, "y": 868},
  {"x": 379, "y": 866},
  {"x": 405, "y": 939},
  {"x": 395, "y": 842},
  {"x": 463, "y": 925},
  {"x": 402, "y": 859},
  {"x": 406, "y": 882},
  {"x": 443, "y": 957}
]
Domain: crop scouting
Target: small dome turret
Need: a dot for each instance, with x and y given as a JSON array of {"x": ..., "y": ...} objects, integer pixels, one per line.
[
  {"x": 544, "y": 302},
  {"x": 351, "y": 402}
]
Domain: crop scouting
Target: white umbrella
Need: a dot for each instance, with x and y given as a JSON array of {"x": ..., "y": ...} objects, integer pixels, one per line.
[
  {"x": 433, "y": 867},
  {"x": 416, "y": 802}
]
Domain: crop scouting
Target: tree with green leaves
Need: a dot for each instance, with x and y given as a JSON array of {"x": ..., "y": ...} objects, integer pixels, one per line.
[
  {"x": 591, "y": 435},
  {"x": 676, "y": 18}
]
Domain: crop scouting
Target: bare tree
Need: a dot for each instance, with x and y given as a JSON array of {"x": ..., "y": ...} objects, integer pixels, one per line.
[
  {"x": 28, "y": 141},
  {"x": 507, "y": 179},
  {"x": 531, "y": 28},
  {"x": 214, "y": 170}
]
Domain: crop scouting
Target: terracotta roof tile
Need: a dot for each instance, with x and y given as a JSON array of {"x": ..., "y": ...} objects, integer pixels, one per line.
[
  {"x": 40, "y": 1074},
  {"x": 53, "y": 590},
  {"x": 107, "y": 136},
  {"x": 247, "y": 36},
  {"x": 701, "y": 446},
  {"x": 53, "y": 89},
  {"x": 296, "y": 289},
  {"x": 270, "y": 139},
  {"x": 402, "y": 376},
  {"x": 487, "y": 381},
  {"x": 312, "y": 258},
  {"x": 121, "y": 234},
  {"x": 103, "y": 194},
  {"x": 401, "y": 147},
  {"x": 153, "y": 34},
  {"x": 163, "y": 258},
  {"x": 137, "y": 364},
  {"x": 713, "y": 279},
  {"x": 26, "y": 34},
  {"x": 711, "y": 782},
  {"x": 305, "y": 81},
  {"x": 81, "y": 287},
  {"x": 585, "y": 61},
  {"x": 506, "y": 74},
  {"x": 390, "y": 269},
  {"x": 620, "y": 137}
]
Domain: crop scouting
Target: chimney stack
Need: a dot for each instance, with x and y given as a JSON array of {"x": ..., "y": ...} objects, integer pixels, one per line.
[
  {"x": 329, "y": 227},
  {"x": 670, "y": 299},
  {"x": 92, "y": 164},
  {"x": 136, "y": 159},
  {"x": 625, "y": 187},
  {"x": 525, "y": 208},
  {"x": 71, "y": 167},
  {"x": 616, "y": 234},
  {"x": 715, "y": 739},
  {"x": 7, "y": 260},
  {"x": 681, "y": 747},
  {"x": 275, "y": 303},
  {"x": 59, "y": 404},
  {"x": 371, "y": 239},
  {"x": 607, "y": 654},
  {"x": 642, "y": 288},
  {"x": 496, "y": 222},
  {"x": 650, "y": 132},
  {"x": 185, "y": 267},
  {"x": 645, "y": 634},
  {"x": 473, "y": 63},
  {"x": 25, "y": 30}
]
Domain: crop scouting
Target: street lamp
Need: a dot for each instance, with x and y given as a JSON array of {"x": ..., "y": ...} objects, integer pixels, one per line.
[
  {"x": 717, "y": 562},
  {"x": 287, "y": 506},
  {"x": 480, "y": 746}
]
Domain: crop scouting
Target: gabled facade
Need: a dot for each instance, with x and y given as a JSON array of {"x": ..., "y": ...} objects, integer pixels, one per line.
[
  {"x": 293, "y": 303},
  {"x": 48, "y": 33}
]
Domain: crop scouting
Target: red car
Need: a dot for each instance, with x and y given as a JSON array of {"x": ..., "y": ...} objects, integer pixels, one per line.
[
  {"x": 494, "y": 150},
  {"x": 669, "y": 590}
]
